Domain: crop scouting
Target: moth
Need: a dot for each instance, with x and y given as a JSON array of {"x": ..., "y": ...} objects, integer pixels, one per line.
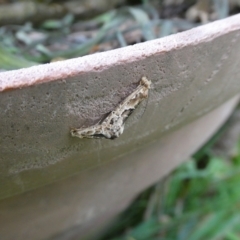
[{"x": 112, "y": 126}]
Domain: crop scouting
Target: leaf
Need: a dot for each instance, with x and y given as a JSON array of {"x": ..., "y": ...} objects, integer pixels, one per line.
[{"x": 9, "y": 61}]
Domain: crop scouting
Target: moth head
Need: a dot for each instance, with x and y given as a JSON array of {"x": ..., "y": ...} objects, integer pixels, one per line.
[{"x": 145, "y": 82}]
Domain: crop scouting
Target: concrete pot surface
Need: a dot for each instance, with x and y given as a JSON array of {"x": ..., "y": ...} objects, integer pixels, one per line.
[{"x": 52, "y": 183}]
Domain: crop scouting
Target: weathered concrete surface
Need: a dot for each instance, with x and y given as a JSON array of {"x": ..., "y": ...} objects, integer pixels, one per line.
[
  {"x": 67, "y": 209},
  {"x": 192, "y": 73}
]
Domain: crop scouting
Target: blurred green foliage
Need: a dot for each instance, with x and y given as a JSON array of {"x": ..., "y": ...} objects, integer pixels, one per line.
[
  {"x": 62, "y": 34},
  {"x": 196, "y": 202}
]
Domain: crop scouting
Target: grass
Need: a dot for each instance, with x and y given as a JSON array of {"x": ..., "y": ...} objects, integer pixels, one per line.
[
  {"x": 199, "y": 200},
  {"x": 70, "y": 36}
]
